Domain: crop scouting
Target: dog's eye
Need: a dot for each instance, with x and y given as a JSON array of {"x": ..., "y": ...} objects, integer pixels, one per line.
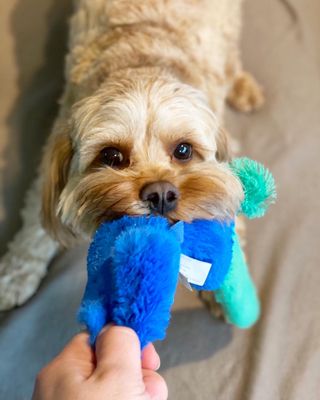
[
  {"x": 183, "y": 152},
  {"x": 112, "y": 157}
]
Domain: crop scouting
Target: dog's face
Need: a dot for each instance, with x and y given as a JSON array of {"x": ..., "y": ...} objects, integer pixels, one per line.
[{"x": 137, "y": 147}]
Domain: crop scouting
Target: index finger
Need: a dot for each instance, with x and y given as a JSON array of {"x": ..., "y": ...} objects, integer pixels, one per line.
[{"x": 76, "y": 357}]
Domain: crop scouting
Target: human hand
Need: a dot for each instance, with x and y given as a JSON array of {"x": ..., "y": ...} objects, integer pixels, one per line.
[{"x": 116, "y": 371}]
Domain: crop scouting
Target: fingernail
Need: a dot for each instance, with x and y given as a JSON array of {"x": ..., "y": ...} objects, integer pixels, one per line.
[{"x": 158, "y": 365}]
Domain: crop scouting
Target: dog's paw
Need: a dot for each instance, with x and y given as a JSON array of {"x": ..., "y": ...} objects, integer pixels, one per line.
[
  {"x": 208, "y": 299},
  {"x": 19, "y": 280},
  {"x": 246, "y": 94}
]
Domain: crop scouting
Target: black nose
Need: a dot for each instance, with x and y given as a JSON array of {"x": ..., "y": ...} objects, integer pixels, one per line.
[{"x": 162, "y": 196}]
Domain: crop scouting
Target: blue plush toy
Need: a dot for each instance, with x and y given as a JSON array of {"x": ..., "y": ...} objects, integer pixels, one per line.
[{"x": 134, "y": 264}]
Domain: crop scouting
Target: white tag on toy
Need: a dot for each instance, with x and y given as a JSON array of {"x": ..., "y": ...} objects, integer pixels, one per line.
[{"x": 195, "y": 271}]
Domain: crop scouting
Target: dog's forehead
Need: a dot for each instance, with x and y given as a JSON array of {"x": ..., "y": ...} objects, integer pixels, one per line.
[
  {"x": 179, "y": 116},
  {"x": 145, "y": 121}
]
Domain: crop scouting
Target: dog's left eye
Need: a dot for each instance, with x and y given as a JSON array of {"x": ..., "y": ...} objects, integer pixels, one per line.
[
  {"x": 183, "y": 152},
  {"x": 112, "y": 157}
]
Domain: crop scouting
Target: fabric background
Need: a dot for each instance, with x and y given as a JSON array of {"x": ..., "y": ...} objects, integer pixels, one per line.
[{"x": 202, "y": 358}]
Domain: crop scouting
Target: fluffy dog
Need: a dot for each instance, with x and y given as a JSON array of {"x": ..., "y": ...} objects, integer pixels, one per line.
[{"x": 140, "y": 128}]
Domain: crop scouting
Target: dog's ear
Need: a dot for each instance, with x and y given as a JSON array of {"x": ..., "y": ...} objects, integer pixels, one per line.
[
  {"x": 223, "y": 153},
  {"x": 55, "y": 168}
]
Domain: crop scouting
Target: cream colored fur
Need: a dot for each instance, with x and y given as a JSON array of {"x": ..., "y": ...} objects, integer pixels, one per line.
[{"x": 141, "y": 76}]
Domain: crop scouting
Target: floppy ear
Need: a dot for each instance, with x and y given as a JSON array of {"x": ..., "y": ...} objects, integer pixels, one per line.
[
  {"x": 223, "y": 153},
  {"x": 55, "y": 168}
]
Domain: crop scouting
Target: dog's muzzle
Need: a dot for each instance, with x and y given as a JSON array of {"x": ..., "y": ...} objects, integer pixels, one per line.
[{"x": 161, "y": 196}]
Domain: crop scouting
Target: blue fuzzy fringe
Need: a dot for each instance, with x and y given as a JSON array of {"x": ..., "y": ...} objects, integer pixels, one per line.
[{"x": 133, "y": 266}]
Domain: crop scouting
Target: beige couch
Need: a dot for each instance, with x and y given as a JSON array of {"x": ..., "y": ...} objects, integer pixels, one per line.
[{"x": 201, "y": 359}]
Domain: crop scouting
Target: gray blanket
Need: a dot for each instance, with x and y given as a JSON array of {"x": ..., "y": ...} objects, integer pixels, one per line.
[{"x": 201, "y": 358}]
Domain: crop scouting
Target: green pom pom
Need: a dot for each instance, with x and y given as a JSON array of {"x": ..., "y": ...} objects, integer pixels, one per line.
[{"x": 258, "y": 186}]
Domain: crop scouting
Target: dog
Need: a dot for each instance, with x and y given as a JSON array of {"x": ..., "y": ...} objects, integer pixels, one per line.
[{"x": 140, "y": 127}]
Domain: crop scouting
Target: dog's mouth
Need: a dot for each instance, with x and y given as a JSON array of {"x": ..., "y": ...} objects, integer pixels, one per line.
[
  {"x": 115, "y": 215},
  {"x": 209, "y": 195}
]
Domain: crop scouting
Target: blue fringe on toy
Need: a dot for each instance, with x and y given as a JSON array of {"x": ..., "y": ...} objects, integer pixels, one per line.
[{"x": 133, "y": 268}]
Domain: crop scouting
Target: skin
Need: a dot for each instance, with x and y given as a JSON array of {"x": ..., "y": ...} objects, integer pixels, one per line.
[{"x": 115, "y": 371}]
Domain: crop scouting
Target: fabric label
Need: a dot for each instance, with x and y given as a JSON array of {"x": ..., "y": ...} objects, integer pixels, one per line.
[{"x": 195, "y": 271}]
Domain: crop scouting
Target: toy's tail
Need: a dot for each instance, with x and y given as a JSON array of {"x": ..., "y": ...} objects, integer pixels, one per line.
[{"x": 237, "y": 295}]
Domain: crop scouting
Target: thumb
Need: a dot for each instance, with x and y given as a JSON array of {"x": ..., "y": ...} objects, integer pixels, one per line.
[{"x": 118, "y": 349}]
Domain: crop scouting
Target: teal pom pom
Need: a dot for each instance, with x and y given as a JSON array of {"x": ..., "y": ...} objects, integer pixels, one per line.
[{"x": 258, "y": 186}]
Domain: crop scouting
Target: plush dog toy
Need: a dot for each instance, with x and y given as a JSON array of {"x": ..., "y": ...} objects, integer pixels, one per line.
[{"x": 134, "y": 264}]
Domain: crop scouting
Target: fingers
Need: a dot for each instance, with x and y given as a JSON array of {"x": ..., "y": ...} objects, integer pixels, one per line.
[
  {"x": 118, "y": 349},
  {"x": 155, "y": 385},
  {"x": 78, "y": 348},
  {"x": 150, "y": 358},
  {"x": 115, "y": 368},
  {"x": 76, "y": 358}
]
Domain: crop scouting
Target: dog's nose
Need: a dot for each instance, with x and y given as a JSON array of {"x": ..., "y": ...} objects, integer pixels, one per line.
[{"x": 161, "y": 196}]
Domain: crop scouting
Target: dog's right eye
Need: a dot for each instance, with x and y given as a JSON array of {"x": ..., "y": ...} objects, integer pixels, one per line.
[{"x": 112, "y": 157}]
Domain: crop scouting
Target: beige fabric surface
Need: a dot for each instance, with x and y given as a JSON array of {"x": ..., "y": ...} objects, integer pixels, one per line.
[{"x": 201, "y": 359}]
